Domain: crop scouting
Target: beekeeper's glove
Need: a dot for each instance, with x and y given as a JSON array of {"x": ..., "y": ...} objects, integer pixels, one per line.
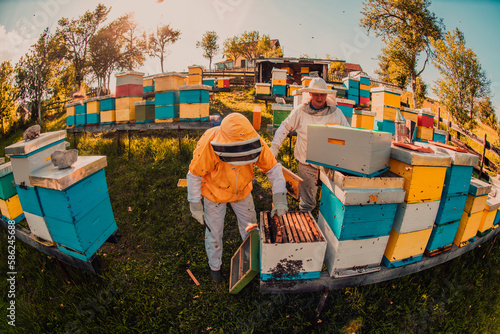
[
  {"x": 275, "y": 149},
  {"x": 280, "y": 206},
  {"x": 196, "y": 209}
]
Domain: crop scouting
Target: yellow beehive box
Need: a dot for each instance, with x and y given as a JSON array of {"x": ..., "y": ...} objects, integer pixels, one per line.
[
  {"x": 127, "y": 102},
  {"x": 306, "y": 81},
  {"x": 383, "y": 96},
  {"x": 195, "y": 111},
  {"x": 148, "y": 82},
  {"x": 475, "y": 204},
  {"x": 424, "y": 173},
  {"x": 304, "y": 69},
  {"x": 279, "y": 82},
  {"x": 93, "y": 106},
  {"x": 406, "y": 245},
  {"x": 108, "y": 116},
  {"x": 363, "y": 119},
  {"x": 11, "y": 207},
  {"x": 293, "y": 88},
  {"x": 469, "y": 225},
  {"x": 70, "y": 110},
  {"x": 196, "y": 70},
  {"x": 410, "y": 114},
  {"x": 195, "y": 79},
  {"x": 364, "y": 87},
  {"x": 125, "y": 115},
  {"x": 425, "y": 133},
  {"x": 487, "y": 220},
  {"x": 262, "y": 89},
  {"x": 385, "y": 112},
  {"x": 168, "y": 81}
]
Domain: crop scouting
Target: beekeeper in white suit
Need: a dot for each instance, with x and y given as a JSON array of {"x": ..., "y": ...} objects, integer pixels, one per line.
[
  {"x": 317, "y": 108},
  {"x": 222, "y": 172}
]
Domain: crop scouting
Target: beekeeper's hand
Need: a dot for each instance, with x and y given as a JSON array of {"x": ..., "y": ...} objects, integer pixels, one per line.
[
  {"x": 196, "y": 209},
  {"x": 280, "y": 206}
]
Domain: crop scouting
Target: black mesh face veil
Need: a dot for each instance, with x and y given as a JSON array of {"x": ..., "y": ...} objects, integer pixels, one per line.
[{"x": 238, "y": 153}]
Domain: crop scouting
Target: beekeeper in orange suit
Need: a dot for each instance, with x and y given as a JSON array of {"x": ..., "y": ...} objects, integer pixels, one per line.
[
  {"x": 319, "y": 107},
  {"x": 222, "y": 172}
]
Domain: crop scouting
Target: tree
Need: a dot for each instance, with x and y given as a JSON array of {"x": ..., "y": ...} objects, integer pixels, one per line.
[
  {"x": 487, "y": 112},
  {"x": 406, "y": 27},
  {"x": 38, "y": 69},
  {"x": 232, "y": 48},
  {"x": 8, "y": 93},
  {"x": 159, "y": 41},
  {"x": 134, "y": 42},
  {"x": 463, "y": 83},
  {"x": 264, "y": 48},
  {"x": 209, "y": 45},
  {"x": 249, "y": 41},
  {"x": 77, "y": 34}
]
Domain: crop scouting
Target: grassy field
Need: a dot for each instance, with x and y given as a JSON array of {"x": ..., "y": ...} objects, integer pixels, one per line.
[{"x": 143, "y": 286}]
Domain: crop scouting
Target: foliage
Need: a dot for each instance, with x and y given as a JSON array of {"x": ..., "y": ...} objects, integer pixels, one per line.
[
  {"x": 406, "y": 27},
  {"x": 37, "y": 72},
  {"x": 134, "y": 43},
  {"x": 8, "y": 93},
  {"x": 209, "y": 45},
  {"x": 463, "y": 81},
  {"x": 159, "y": 41},
  {"x": 250, "y": 45},
  {"x": 76, "y": 35},
  {"x": 487, "y": 112}
]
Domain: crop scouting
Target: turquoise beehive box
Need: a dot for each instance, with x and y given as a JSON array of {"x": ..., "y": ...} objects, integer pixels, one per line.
[{"x": 76, "y": 205}]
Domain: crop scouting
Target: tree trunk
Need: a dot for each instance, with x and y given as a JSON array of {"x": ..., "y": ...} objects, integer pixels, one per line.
[
  {"x": 413, "y": 86},
  {"x": 161, "y": 61}
]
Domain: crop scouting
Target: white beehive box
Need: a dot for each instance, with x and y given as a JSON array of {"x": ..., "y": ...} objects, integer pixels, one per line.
[
  {"x": 357, "y": 151},
  {"x": 28, "y": 156}
]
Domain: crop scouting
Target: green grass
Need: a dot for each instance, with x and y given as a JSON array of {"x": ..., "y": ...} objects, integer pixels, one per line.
[{"x": 143, "y": 286}]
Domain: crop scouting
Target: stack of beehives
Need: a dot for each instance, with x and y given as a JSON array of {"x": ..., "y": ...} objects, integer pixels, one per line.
[
  {"x": 107, "y": 107},
  {"x": 278, "y": 81},
  {"x": 10, "y": 205},
  {"x": 129, "y": 87},
  {"x": 425, "y": 125},
  {"x": 352, "y": 86},
  {"x": 386, "y": 104},
  {"x": 167, "y": 96},
  {"x": 194, "y": 103}
]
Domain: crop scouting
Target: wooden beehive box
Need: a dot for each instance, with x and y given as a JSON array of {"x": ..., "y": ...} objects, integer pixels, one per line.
[
  {"x": 7, "y": 188},
  {"x": 144, "y": 111},
  {"x": 209, "y": 82},
  {"x": 194, "y": 94},
  {"x": 489, "y": 214},
  {"x": 363, "y": 119},
  {"x": 293, "y": 247},
  {"x": 108, "y": 117},
  {"x": 193, "y": 112},
  {"x": 262, "y": 89},
  {"x": 76, "y": 205},
  {"x": 405, "y": 248},
  {"x": 11, "y": 207},
  {"x": 28, "y": 156},
  {"x": 385, "y": 112},
  {"x": 424, "y": 173},
  {"x": 425, "y": 119},
  {"x": 410, "y": 114},
  {"x": 223, "y": 82},
  {"x": 245, "y": 263},
  {"x": 38, "y": 227},
  {"x": 346, "y": 106},
  {"x": 278, "y": 74},
  {"x": 168, "y": 81},
  {"x": 467, "y": 230},
  {"x": 351, "y": 257},
  {"x": 383, "y": 96},
  {"x": 293, "y": 88},
  {"x": 441, "y": 238},
  {"x": 280, "y": 113},
  {"x": 166, "y": 113},
  {"x": 450, "y": 209},
  {"x": 358, "y": 207},
  {"x": 356, "y": 151},
  {"x": 107, "y": 103},
  {"x": 129, "y": 78},
  {"x": 439, "y": 136},
  {"x": 411, "y": 217}
]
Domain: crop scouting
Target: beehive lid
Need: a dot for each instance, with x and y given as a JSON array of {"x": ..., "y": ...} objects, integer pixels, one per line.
[
  {"x": 415, "y": 158},
  {"x": 344, "y": 180},
  {"x": 426, "y": 112},
  {"x": 279, "y": 106},
  {"x": 410, "y": 110},
  {"x": 131, "y": 73},
  {"x": 263, "y": 84},
  {"x": 140, "y": 103},
  {"x": 346, "y": 101},
  {"x": 26, "y": 147},
  {"x": 350, "y": 78},
  {"x": 108, "y": 97},
  {"x": 92, "y": 99},
  {"x": 458, "y": 158},
  {"x": 478, "y": 187},
  {"x": 169, "y": 74},
  {"x": 278, "y": 70},
  {"x": 492, "y": 203},
  {"x": 365, "y": 112},
  {"x": 5, "y": 169},
  {"x": 194, "y": 87},
  {"x": 74, "y": 103},
  {"x": 381, "y": 89},
  {"x": 59, "y": 179}
]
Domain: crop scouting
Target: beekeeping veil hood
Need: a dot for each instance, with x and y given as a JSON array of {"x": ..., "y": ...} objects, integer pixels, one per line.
[{"x": 236, "y": 141}]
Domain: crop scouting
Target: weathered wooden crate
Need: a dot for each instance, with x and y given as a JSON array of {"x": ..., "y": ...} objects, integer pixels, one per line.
[
  {"x": 28, "y": 156},
  {"x": 193, "y": 112},
  {"x": 351, "y": 257},
  {"x": 7, "y": 187},
  {"x": 358, "y": 207},
  {"x": 292, "y": 248},
  {"x": 405, "y": 248},
  {"x": 245, "y": 263},
  {"x": 411, "y": 217},
  {"x": 76, "y": 205},
  {"x": 441, "y": 238},
  {"x": 352, "y": 150},
  {"x": 424, "y": 173}
]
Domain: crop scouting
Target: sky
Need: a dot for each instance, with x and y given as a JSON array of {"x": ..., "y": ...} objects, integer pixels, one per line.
[{"x": 316, "y": 27}]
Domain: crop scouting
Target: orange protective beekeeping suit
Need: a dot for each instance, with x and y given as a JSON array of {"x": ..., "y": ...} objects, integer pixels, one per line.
[{"x": 223, "y": 182}]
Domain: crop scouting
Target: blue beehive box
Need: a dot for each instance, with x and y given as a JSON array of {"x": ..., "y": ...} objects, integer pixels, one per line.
[
  {"x": 279, "y": 90},
  {"x": 76, "y": 205},
  {"x": 7, "y": 189},
  {"x": 107, "y": 103},
  {"x": 385, "y": 125},
  {"x": 94, "y": 118},
  {"x": 167, "y": 98},
  {"x": 71, "y": 120},
  {"x": 194, "y": 95},
  {"x": 30, "y": 200},
  {"x": 167, "y": 112}
]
